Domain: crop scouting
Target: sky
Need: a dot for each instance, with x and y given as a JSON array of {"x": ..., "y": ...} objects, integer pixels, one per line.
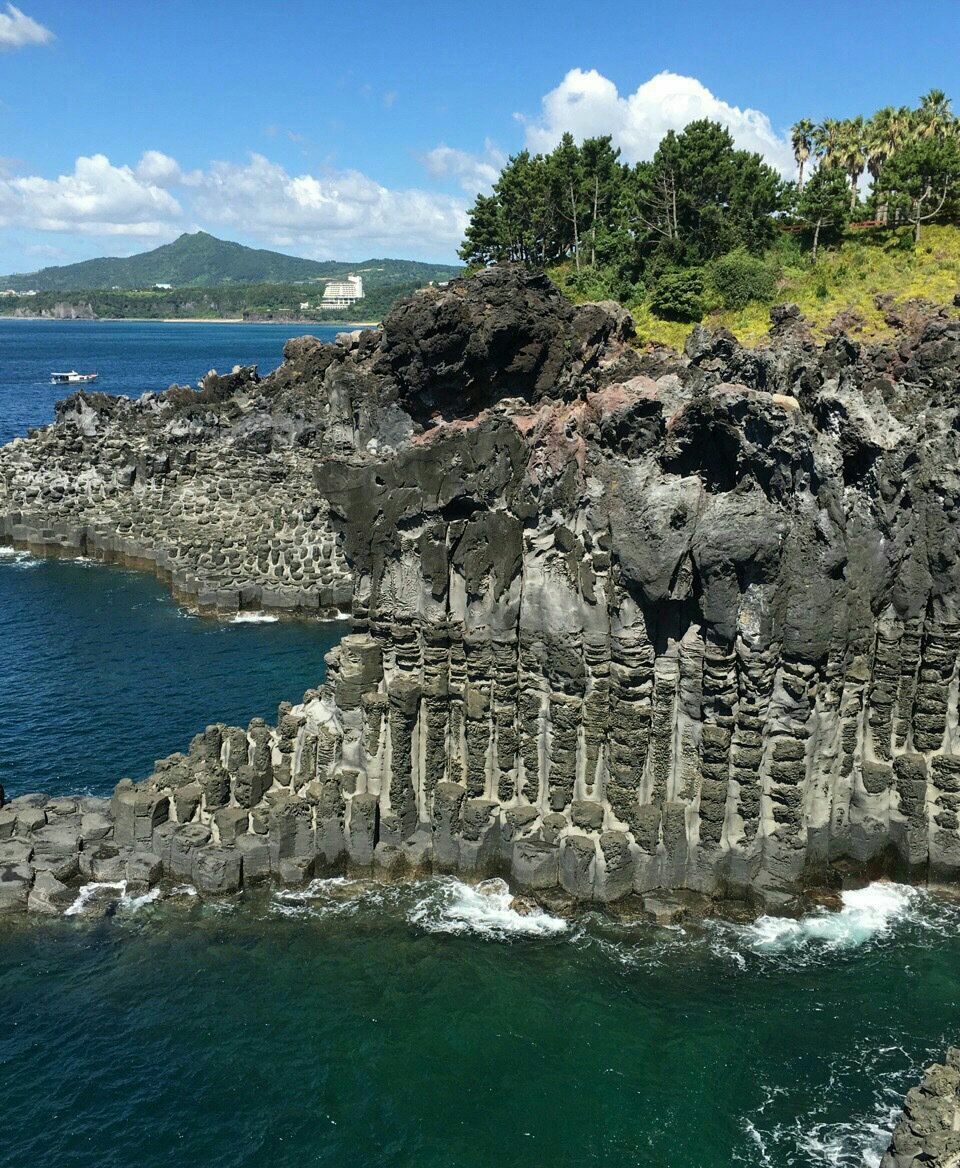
[{"x": 347, "y": 131}]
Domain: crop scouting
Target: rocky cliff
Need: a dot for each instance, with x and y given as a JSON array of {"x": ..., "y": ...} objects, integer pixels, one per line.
[
  {"x": 928, "y": 1133},
  {"x": 624, "y": 619}
]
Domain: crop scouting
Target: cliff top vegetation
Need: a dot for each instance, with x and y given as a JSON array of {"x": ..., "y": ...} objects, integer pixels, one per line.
[{"x": 705, "y": 230}]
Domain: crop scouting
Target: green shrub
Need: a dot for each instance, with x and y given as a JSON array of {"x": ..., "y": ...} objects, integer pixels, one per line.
[
  {"x": 740, "y": 277},
  {"x": 679, "y": 296}
]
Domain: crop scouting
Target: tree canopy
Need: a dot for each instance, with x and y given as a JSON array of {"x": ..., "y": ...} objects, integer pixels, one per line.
[
  {"x": 698, "y": 198},
  {"x": 699, "y": 223}
]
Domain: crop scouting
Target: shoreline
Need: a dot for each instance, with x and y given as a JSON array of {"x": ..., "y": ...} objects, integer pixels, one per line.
[
  {"x": 190, "y": 599},
  {"x": 347, "y": 325}
]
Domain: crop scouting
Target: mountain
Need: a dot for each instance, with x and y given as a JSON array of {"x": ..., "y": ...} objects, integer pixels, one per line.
[{"x": 198, "y": 259}]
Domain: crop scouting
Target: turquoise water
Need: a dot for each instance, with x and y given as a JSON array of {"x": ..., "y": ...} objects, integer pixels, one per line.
[
  {"x": 418, "y": 1026},
  {"x": 427, "y": 1025}
]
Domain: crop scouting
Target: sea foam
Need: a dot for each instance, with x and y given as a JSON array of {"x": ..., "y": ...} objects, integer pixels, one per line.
[
  {"x": 18, "y": 557},
  {"x": 114, "y": 890},
  {"x": 91, "y": 892},
  {"x": 254, "y": 618},
  {"x": 486, "y": 909},
  {"x": 865, "y": 913}
]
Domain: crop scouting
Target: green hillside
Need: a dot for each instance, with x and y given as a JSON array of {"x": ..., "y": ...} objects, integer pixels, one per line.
[
  {"x": 858, "y": 285},
  {"x": 202, "y": 260}
]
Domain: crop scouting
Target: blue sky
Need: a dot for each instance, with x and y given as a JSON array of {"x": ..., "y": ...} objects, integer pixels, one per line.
[{"x": 340, "y": 130}]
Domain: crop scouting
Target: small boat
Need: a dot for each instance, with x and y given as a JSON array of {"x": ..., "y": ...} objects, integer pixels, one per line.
[{"x": 72, "y": 377}]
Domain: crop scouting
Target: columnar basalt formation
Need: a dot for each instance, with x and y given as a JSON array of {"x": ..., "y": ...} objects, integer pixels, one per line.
[
  {"x": 927, "y": 1135},
  {"x": 207, "y": 487},
  {"x": 624, "y": 619}
]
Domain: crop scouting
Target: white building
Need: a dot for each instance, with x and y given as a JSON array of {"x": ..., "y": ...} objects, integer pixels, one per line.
[{"x": 342, "y": 293}]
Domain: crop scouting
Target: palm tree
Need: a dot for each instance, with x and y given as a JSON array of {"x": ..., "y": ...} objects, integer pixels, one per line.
[
  {"x": 903, "y": 125},
  {"x": 934, "y": 116},
  {"x": 852, "y": 154},
  {"x": 883, "y": 136},
  {"x": 826, "y": 137},
  {"x": 801, "y": 137},
  {"x": 880, "y": 139}
]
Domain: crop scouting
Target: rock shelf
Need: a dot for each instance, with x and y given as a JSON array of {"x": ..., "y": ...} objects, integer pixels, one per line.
[{"x": 624, "y": 619}]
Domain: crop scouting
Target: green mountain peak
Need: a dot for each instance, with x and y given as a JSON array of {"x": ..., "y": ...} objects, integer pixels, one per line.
[{"x": 199, "y": 259}]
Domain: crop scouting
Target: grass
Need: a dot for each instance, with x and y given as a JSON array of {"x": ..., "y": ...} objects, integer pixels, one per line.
[{"x": 846, "y": 279}]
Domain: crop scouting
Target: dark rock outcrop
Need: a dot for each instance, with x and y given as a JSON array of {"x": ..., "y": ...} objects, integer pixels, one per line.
[
  {"x": 624, "y": 620},
  {"x": 928, "y": 1133}
]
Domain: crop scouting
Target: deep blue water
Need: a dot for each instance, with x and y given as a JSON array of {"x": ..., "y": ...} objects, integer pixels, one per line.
[
  {"x": 417, "y": 1026},
  {"x": 130, "y": 356},
  {"x": 102, "y": 673}
]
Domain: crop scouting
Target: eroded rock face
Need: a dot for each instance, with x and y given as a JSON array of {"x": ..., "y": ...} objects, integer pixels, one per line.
[{"x": 624, "y": 621}]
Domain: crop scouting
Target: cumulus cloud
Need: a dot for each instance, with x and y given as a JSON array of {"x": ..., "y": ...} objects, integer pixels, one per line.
[
  {"x": 336, "y": 213},
  {"x": 17, "y": 30},
  {"x": 588, "y": 104},
  {"x": 474, "y": 172},
  {"x": 98, "y": 198},
  {"x": 332, "y": 213},
  {"x": 159, "y": 169}
]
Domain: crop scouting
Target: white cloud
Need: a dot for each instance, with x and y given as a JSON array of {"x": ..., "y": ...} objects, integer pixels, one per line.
[
  {"x": 474, "y": 172},
  {"x": 329, "y": 214},
  {"x": 17, "y": 30},
  {"x": 335, "y": 213},
  {"x": 159, "y": 169},
  {"x": 588, "y": 104},
  {"x": 98, "y": 198}
]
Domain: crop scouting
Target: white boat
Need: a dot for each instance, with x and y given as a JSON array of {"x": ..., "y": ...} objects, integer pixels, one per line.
[{"x": 72, "y": 377}]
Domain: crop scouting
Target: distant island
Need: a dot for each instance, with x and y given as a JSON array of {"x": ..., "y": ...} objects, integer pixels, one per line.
[{"x": 201, "y": 277}]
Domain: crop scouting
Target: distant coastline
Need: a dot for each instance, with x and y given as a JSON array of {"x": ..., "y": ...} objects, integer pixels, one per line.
[{"x": 345, "y": 325}]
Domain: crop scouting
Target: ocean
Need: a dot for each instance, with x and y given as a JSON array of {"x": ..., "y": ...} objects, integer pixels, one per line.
[
  {"x": 130, "y": 356},
  {"x": 419, "y": 1025}
]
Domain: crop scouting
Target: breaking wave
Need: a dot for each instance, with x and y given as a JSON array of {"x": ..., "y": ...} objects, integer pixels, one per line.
[
  {"x": 866, "y": 914},
  {"x": 254, "y": 618},
  {"x": 330, "y": 896},
  {"x": 487, "y": 909},
  {"x": 111, "y": 892},
  {"x": 18, "y": 558},
  {"x": 776, "y": 1134},
  {"x": 438, "y": 905},
  {"x": 95, "y": 890}
]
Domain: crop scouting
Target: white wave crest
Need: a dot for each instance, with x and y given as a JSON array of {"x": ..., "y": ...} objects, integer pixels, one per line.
[
  {"x": 94, "y": 891},
  {"x": 18, "y": 557},
  {"x": 323, "y": 896},
  {"x": 110, "y": 890},
  {"x": 486, "y": 909},
  {"x": 809, "y": 1137},
  {"x": 866, "y": 913},
  {"x": 134, "y": 903},
  {"x": 859, "y": 1142},
  {"x": 254, "y": 618}
]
